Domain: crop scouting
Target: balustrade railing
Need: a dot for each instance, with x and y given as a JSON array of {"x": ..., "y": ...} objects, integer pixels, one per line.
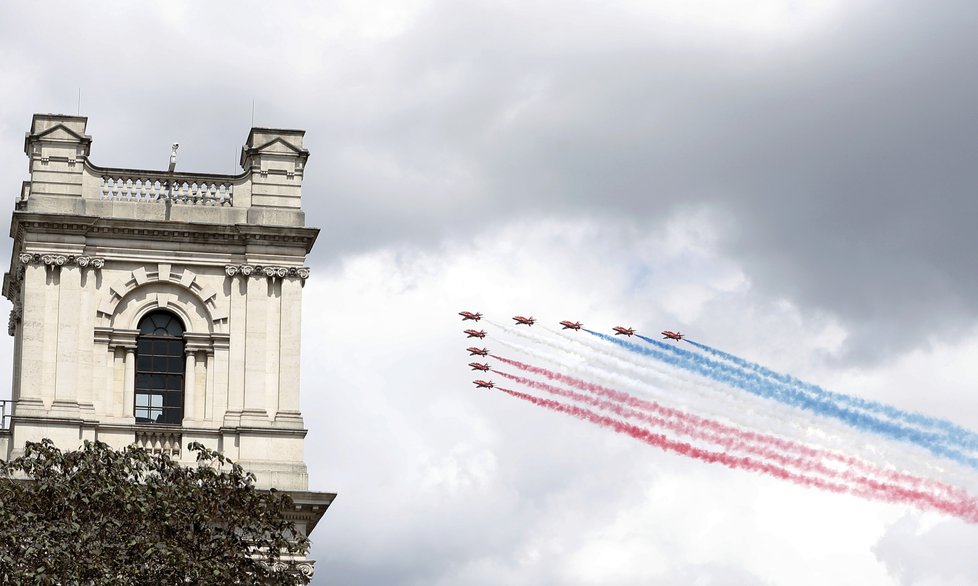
[
  {"x": 160, "y": 442},
  {"x": 5, "y": 414},
  {"x": 151, "y": 187}
]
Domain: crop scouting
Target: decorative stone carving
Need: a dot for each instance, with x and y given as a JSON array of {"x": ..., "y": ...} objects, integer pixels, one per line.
[
  {"x": 59, "y": 260},
  {"x": 15, "y": 315},
  {"x": 306, "y": 569},
  {"x": 54, "y": 259},
  {"x": 267, "y": 271}
]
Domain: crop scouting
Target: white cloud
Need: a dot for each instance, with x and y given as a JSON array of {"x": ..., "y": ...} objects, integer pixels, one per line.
[
  {"x": 442, "y": 484},
  {"x": 929, "y": 554}
]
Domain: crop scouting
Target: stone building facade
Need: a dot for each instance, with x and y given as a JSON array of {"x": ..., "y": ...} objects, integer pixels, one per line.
[{"x": 162, "y": 307}]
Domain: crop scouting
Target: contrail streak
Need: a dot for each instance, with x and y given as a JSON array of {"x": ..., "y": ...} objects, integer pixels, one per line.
[
  {"x": 965, "y": 510},
  {"x": 754, "y": 384},
  {"x": 806, "y": 457}
]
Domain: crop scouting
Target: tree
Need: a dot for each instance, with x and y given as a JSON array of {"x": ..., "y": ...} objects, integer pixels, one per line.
[{"x": 101, "y": 516}]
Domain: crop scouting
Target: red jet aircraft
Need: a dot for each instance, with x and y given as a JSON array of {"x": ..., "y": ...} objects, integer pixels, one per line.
[
  {"x": 479, "y": 366},
  {"x": 623, "y": 330},
  {"x": 469, "y": 315},
  {"x": 483, "y": 384},
  {"x": 667, "y": 335},
  {"x": 524, "y": 321},
  {"x": 473, "y": 351},
  {"x": 571, "y": 325},
  {"x": 476, "y": 333}
]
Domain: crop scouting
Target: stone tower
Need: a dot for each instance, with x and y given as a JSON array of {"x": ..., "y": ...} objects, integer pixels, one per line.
[{"x": 162, "y": 307}]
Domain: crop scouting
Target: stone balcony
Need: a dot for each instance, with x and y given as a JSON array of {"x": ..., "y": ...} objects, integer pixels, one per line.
[{"x": 268, "y": 191}]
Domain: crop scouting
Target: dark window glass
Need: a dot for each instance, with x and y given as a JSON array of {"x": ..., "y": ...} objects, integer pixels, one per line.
[{"x": 159, "y": 369}]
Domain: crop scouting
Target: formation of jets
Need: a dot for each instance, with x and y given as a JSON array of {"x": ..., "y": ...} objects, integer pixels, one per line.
[
  {"x": 529, "y": 321},
  {"x": 475, "y": 351}
]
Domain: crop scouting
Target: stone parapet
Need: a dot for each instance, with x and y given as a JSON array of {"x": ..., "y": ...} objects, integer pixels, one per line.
[{"x": 268, "y": 191}]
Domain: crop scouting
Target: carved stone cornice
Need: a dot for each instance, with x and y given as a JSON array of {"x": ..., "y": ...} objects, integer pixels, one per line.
[
  {"x": 210, "y": 234},
  {"x": 195, "y": 342},
  {"x": 268, "y": 271},
  {"x": 119, "y": 338},
  {"x": 59, "y": 260}
]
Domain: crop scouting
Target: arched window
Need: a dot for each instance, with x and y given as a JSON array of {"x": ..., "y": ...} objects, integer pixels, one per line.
[{"x": 159, "y": 369}]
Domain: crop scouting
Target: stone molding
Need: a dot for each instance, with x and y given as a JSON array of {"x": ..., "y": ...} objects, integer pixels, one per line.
[
  {"x": 117, "y": 338},
  {"x": 195, "y": 342},
  {"x": 198, "y": 295},
  {"x": 59, "y": 260},
  {"x": 266, "y": 271},
  {"x": 209, "y": 234}
]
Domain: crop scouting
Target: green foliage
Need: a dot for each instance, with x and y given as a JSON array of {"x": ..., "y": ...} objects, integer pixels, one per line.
[{"x": 101, "y": 516}]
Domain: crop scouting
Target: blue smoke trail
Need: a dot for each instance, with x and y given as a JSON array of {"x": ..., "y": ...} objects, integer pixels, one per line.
[
  {"x": 964, "y": 437},
  {"x": 754, "y": 384}
]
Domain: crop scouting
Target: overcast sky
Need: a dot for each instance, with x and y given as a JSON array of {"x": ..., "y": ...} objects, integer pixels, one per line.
[{"x": 791, "y": 181}]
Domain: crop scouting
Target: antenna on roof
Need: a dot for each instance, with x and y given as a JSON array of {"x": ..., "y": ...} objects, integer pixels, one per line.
[
  {"x": 168, "y": 200},
  {"x": 173, "y": 157},
  {"x": 78, "y": 111}
]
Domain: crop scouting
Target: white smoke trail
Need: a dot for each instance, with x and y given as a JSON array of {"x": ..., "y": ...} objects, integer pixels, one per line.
[
  {"x": 802, "y": 457},
  {"x": 648, "y": 377}
]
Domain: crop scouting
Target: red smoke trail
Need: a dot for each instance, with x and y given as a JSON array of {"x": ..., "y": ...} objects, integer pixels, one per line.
[
  {"x": 964, "y": 510},
  {"x": 731, "y": 438},
  {"x": 915, "y": 482}
]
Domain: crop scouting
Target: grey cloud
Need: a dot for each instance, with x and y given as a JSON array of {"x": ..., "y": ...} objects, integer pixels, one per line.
[
  {"x": 843, "y": 158},
  {"x": 845, "y": 163}
]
